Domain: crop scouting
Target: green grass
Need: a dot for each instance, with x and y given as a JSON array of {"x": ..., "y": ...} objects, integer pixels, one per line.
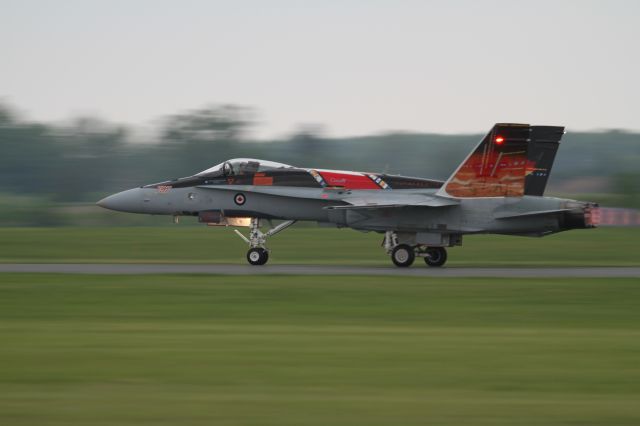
[
  {"x": 188, "y": 244},
  {"x": 212, "y": 350}
]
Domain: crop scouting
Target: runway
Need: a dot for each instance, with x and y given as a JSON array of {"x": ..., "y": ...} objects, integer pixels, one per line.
[{"x": 416, "y": 271}]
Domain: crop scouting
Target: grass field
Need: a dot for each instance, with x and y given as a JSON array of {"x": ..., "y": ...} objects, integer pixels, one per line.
[
  {"x": 188, "y": 244},
  {"x": 210, "y": 350},
  {"x": 285, "y": 350}
]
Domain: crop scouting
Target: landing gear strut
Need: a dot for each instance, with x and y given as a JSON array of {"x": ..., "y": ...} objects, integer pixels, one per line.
[
  {"x": 403, "y": 255},
  {"x": 258, "y": 253}
]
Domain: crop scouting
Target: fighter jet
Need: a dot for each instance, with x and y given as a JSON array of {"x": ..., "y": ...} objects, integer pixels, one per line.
[{"x": 497, "y": 189}]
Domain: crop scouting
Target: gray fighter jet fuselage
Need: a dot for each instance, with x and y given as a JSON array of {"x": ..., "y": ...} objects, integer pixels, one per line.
[{"x": 497, "y": 189}]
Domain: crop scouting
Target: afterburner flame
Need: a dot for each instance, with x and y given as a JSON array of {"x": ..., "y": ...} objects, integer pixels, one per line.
[{"x": 611, "y": 216}]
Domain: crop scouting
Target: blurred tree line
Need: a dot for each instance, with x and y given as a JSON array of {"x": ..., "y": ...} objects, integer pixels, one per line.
[{"x": 85, "y": 159}]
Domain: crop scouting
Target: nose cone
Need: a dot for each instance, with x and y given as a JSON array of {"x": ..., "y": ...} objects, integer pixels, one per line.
[{"x": 130, "y": 201}]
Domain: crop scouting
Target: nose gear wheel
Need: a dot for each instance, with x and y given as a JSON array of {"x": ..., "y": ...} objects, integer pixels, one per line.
[
  {"x": 257, "y": 256},
  {"x": 258, "y": 253}
]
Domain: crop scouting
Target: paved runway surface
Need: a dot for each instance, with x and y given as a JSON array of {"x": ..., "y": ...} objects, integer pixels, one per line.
[{"x": 416, "y": 271}]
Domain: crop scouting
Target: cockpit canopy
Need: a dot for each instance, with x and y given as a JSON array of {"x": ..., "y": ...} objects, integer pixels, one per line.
[{"x": 242, "y": 166}]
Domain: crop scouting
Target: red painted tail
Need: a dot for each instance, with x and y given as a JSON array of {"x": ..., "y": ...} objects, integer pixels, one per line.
[{"x": 511, "y": 161}]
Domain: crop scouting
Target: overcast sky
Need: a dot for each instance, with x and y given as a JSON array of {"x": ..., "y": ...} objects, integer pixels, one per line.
[{"x": 356, "y": 66}]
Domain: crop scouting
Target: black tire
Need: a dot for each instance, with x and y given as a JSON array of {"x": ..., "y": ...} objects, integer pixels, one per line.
[
  {"x": 436, "y": 256},
  {"x": 403, "y": 255},
  {"x": 257, "y": 256}
]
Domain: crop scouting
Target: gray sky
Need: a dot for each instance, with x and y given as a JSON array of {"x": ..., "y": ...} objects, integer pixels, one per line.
[{"x": 357, "y": 66}]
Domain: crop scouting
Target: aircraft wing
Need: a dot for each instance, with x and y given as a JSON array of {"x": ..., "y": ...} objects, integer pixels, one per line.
[
  {"x": 386, "y": 200},
  {"x": 374, "y": 200},
  {"x": 296, "y": 192}
]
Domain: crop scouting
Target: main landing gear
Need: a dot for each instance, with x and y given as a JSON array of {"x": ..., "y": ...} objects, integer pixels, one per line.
[
  {"x": 258, "y": 254},
  {"x": 403, "y": 255}
]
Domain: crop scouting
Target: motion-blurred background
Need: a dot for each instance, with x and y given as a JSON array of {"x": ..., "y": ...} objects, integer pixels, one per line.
[
  {"x": 52, "y": 174},
  {"x": 97, "y": 97}
]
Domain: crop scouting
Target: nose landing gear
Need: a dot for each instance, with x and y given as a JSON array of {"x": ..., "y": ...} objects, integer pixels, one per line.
[{"x": 258, "y": 254}]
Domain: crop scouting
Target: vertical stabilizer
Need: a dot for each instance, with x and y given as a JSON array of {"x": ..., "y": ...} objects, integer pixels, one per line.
[
  {"x": 542, "y": 149},
  {"x": 512, "y": 160}
]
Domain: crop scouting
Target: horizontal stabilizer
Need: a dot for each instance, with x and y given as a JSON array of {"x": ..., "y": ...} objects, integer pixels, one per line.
[
  {"x": 506, "y": 215},
  {"x": 394, "y": 201}
]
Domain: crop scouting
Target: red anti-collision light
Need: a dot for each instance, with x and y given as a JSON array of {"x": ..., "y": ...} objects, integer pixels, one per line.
[{"x": 499, "y": 140}]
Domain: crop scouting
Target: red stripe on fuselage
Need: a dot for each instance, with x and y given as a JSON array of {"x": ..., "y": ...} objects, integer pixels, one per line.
[{"x": 348, "y": 180}]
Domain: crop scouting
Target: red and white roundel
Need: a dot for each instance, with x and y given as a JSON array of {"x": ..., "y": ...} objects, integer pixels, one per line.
[{"x": 239, "y": 199}]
